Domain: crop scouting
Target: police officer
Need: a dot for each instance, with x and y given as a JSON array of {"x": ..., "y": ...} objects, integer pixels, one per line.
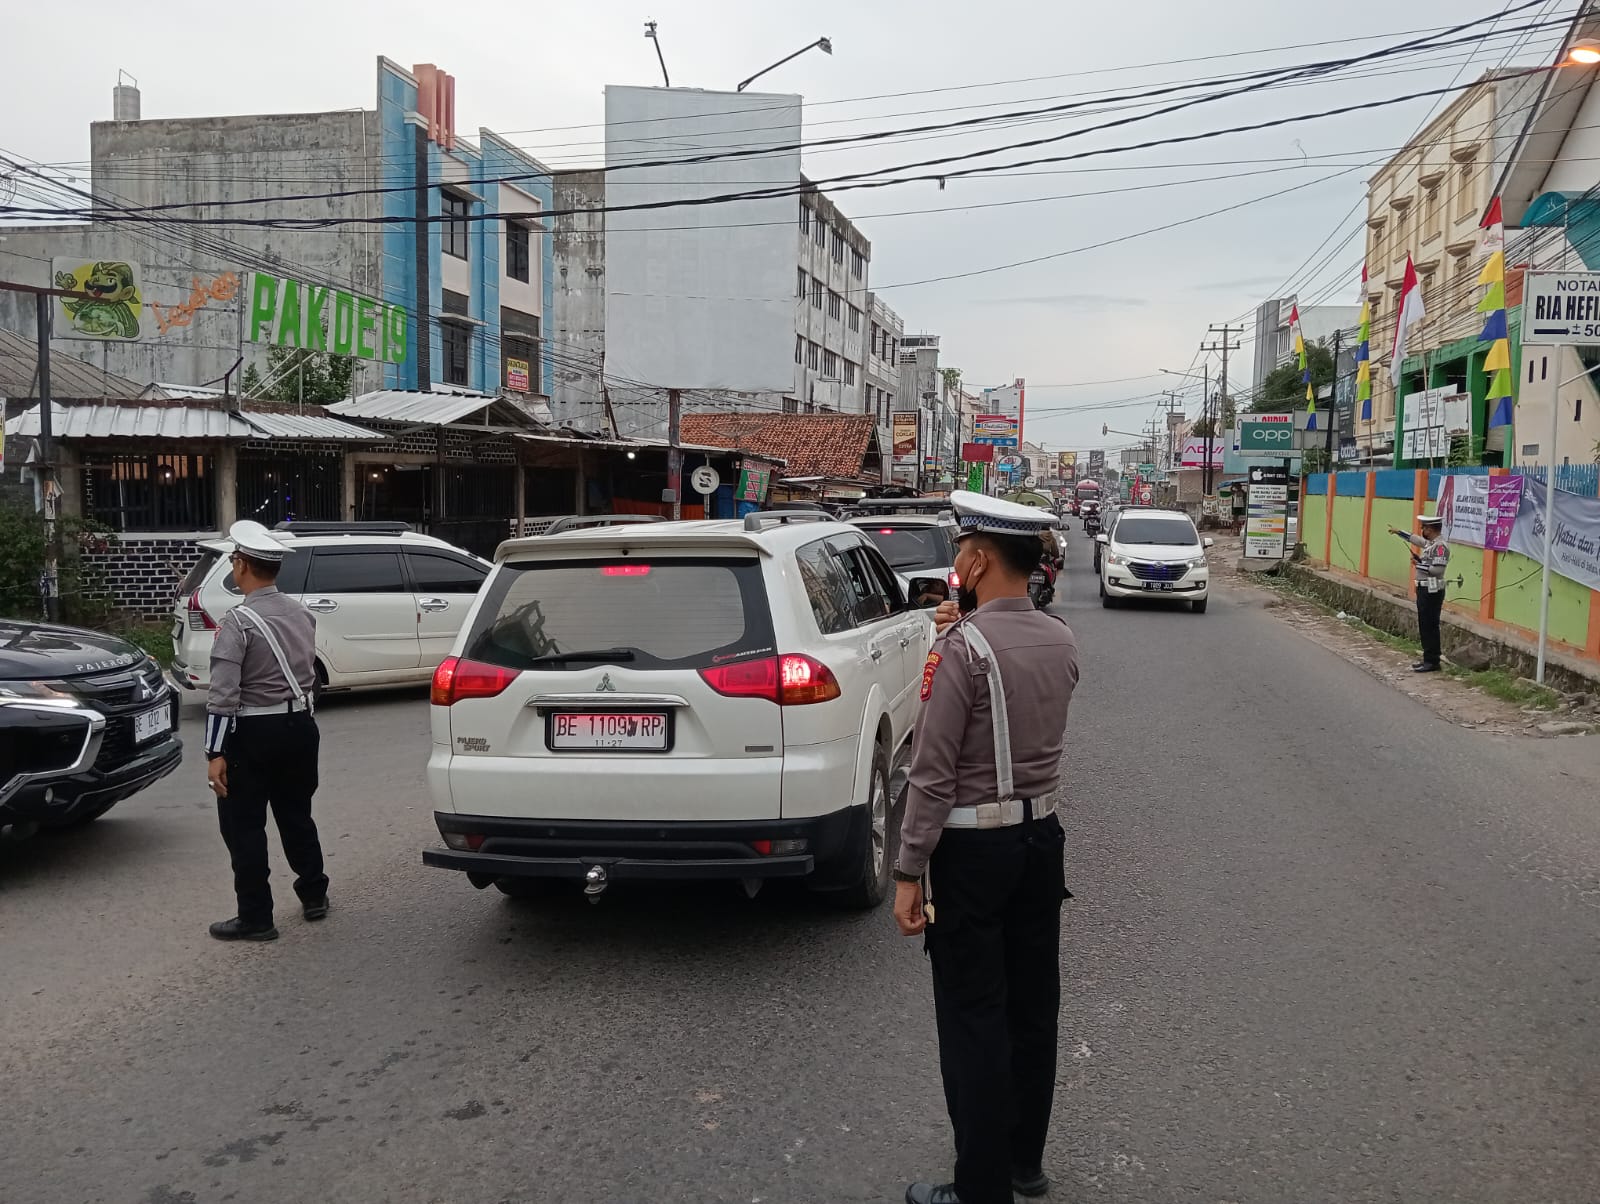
[
  {"x": 980, "y": 867},
  {"x": 261, "y": 738},
  {"x": 1430, "y": 558}
]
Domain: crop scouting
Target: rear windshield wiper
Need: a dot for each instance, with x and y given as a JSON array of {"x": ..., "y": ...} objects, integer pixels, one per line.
[{"x": 592, "y": 654}]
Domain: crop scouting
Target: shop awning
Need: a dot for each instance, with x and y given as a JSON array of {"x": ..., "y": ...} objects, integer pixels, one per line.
[{"x": 185, "y": 422}]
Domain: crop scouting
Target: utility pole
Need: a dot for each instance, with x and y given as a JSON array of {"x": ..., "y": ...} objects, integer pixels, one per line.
[
  {"x": 675, "y": 451},
  {"x": 1225, "y": 345},
  {"x": 1172, "y": 408},
  {"x": 1333, "y": 402}
]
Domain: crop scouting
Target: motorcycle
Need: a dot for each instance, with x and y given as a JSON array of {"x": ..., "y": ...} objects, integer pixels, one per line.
[
  {"x": 1042, "y": 585},
  {"x": 1091, "y": 522}
]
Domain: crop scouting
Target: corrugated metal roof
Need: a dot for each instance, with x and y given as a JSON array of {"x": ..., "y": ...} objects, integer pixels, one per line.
[
  {"x": 69, "y": 376},
  {"x": 307, "y": 426},
  {"x": 413, "y": 405},
  {"x": 184, "y": 422},
  {"x": 132, "y": 422}
]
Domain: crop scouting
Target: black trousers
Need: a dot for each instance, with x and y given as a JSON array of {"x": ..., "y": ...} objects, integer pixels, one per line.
[
  {"x": 995, "y": 948},
  {"x": 1429, "y": 607},
  {"x": 272, "y": 761}
]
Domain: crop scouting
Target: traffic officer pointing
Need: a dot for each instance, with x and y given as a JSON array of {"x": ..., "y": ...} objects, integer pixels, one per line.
[
  {"x": 980, "y": 869},
  {"x": 261, "y": 737},
  {"x": 1430, "y": 558}
]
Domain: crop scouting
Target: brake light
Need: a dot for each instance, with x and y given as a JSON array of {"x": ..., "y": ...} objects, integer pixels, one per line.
[
  {"x": 788, "y": 680},
  {"x": 885, "y": 530},
  {"x": 199, "y": 620},
  {"x": 625, "y": 570},
  {"x": 764, "y": 847},
  {"x": 456, "y": 679}
]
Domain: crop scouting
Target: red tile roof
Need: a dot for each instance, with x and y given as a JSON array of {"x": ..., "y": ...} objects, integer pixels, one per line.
[{"x": 813, "y": 445}]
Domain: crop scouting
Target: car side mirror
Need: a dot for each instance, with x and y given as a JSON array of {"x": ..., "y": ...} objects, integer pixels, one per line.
[
  {"x": 933, "y": 589},
  {"x": 1207, "y": 541},
  {"x": 1102, "y": 539}
]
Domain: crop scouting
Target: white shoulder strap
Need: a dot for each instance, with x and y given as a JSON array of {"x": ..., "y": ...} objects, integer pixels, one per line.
[
  {"x": 997, "y": 709},
  {"x": 265, "y": 629}
]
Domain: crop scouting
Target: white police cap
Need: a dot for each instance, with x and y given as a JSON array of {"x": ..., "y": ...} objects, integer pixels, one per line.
[
  {"x": 975, "y": 512},
  {"x": 1430, "y": 519},
  {"x": 253, "y": 540}
]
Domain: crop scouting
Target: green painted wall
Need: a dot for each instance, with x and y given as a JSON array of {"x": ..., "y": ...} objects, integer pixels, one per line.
[
  {"x": 1466, "y": 562},
  {"x": 1517, "y": 599},
  {"x": 1346, "y": 552},
  {"x": 1313, "y": 521},
  {"x": 1390, "y": 560}
]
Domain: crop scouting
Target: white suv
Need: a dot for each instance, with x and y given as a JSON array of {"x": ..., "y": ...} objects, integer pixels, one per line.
[
  {"x": 1153, "y": 554},
  {"x": 389, "y": 602},
  {"x": 722, "y": 699},
  {"x": 917, "y": 536}
]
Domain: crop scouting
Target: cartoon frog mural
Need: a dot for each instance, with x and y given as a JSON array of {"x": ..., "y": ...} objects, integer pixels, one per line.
[{"x": 111, "y": 311}]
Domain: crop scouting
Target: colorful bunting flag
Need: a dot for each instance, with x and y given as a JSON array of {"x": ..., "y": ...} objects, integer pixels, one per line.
[
  {"x": 1305, "y": 368},
  {"x": 1364, "y": 353},
  {"x": 1497, "y": 363}
]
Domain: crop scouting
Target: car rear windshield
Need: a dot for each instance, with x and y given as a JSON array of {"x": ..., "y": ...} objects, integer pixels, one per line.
[
  {"x": 196, "y": 576},
  {"x": 1171, "y": 531},
  {"x": 667, "y": 614},
  {"x": 911, "y": 548}
]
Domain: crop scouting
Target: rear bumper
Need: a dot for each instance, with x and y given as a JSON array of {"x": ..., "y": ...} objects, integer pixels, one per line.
[{"x": 545, "y": 848}]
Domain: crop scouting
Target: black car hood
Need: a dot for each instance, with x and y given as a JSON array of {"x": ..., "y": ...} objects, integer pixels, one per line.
[{"x": 47, "y": 650}]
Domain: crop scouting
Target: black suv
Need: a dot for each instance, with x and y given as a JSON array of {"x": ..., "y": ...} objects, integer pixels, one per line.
[{"x": 86, "y": 719}]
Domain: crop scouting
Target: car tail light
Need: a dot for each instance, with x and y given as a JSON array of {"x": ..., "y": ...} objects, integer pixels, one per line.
[
  {"x": 806, "y": 680},
  {"x": 463, "y": 842},
  {"x": 625, "y": 570},
  {"x": 780, "y": 848},
  {"x": 788, "y": 680},
  {"x": 456, "y": 679},
  {"x": 199, "y": 620}
]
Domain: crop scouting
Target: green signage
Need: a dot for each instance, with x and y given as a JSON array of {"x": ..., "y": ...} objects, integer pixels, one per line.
[
  {"x": 286, "y": 313},
  {"x": 1263, "y": 436},
  {"x": 975, "y": 478}
]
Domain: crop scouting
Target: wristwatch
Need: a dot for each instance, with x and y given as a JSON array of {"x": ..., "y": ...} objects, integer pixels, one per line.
[{"x": 901, "y": 876}]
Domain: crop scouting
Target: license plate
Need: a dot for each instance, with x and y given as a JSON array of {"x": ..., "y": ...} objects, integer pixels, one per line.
[
  {"x": 631, "y": 732},
  {"x": 151, "y": 724},
  {"x": 1158, "y": 585}
]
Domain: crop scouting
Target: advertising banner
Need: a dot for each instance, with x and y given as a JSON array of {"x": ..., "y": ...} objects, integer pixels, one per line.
[
  {"x": 1097, "y": 463},
  {"x": 114, "y": 309},
  {"x": 1266, "y": 523},
  {"x": 517, "y": 375},
  {"x": 998, "y": 430},
  {"x": 977, "y": 453},
  {"x": 1480, "y": 510},
  {"x": 1193, "y": 453},
  {"x": 975, "y": 478},
  {"x": 1266, "y": 434},
  {"x": 1576, "y": 551},
  {"x": 905, "y": 436},
  {"x": 753, "y": 484},
  {"x": 1067, "y": 466},
  {"x": 286, "y": 313}
]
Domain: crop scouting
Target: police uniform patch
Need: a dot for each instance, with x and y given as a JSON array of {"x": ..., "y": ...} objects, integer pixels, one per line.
[{"x": 928, "y": 670}]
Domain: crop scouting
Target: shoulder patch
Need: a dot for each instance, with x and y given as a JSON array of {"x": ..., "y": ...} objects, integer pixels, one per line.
[{"x": 928, "y": 670}]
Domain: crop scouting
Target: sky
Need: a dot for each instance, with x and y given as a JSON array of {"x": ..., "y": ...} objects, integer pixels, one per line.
[{"x": 1116, "y": 313}]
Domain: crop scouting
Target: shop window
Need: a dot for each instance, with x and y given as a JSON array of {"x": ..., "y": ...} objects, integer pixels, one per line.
[{"x": 143, "y": 491}]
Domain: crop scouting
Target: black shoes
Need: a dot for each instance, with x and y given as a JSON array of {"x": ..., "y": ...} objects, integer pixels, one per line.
[
  {"x": 1030, "y": 1183},
  {"x": 236, "y": 930},
  {"x": 317, "y": 910},
  {"x": 1424, "y": 667},
  {"x": 928, "y": 1193}
]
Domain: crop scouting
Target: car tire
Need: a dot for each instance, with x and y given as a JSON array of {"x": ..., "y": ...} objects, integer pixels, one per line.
[
  {"x": 1106, "y": 600},
  {"x": 319, "y": 683},
  {"x": 871, "y": 884},
  {"x": 1199, "y": 607}
]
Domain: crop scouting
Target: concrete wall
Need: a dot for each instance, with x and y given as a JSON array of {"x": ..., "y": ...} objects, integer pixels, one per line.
[
  {"x": 578, "y": 315},
  {"x": 211, "y": 159}
]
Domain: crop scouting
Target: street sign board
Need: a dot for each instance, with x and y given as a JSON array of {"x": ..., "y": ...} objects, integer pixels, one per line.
[
  {"x": 1097, "y": 462},
  {"x": 1560, "y": 307},
  {"x": 1266, "y": 434},
  {"x": 1266, "y": 523},
  {"x": 975, "y": 478},
  {"x": 1145, "y": 494},
  {"x": 705, "y": 479},
  {"x": 1029, "y": 482},
  {"x": 1009, "y": 463},
  {"x": 977, "y": 453}
]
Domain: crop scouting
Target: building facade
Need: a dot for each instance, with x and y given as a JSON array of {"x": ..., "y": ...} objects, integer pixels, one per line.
[
  {"x": 831, "y": 318},
  {"x": 1274, "y": 340},
  {"x": 881, "y": 368},
  {"x": 386, "y": 181}
]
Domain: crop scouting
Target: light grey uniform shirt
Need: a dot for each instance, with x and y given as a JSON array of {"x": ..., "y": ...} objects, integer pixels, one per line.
[
  {"x": 1431, "y": 562},
  {"x": 244, "y": 671},
  {"x": 952, "y": 755}
]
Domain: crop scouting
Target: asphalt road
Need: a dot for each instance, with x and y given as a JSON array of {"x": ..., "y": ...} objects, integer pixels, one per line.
[{"x": 1325, "y": 947}]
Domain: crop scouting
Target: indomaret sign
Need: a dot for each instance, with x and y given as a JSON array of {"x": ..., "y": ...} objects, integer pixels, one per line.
[{"x": 287, "y": 313}]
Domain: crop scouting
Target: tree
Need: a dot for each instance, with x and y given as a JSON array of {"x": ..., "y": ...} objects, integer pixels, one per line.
[
  {"x": 1283, "y": 389},
  {"x": 327, "y": 377}
]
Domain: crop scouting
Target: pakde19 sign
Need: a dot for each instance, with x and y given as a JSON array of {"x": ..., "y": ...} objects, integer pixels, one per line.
[{"x": 287, "y": 313}]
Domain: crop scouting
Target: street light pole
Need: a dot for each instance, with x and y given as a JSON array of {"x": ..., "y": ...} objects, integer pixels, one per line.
[
  {"x": 650, "y": 32},
  {"x": 823, "y": 44}
]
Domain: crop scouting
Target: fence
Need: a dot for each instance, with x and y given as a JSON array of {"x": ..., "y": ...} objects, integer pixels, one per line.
[
  {"x": 1581, "y": 479},
  {"x": 1344, "y": 522}
]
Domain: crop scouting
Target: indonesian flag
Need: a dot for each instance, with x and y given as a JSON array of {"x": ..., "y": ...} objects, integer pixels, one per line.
[{"x": 1411, "y": 312}]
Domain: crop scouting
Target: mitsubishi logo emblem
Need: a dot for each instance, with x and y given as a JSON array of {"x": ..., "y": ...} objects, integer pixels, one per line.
[
  {"x": 605, "y": 686},
  {"x": 146, "y": 690}
]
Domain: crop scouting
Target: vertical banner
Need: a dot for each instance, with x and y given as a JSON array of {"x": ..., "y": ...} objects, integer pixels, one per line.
[
  {"x": 905, "y": 436},
  {"x": 1067, "y": 466}
]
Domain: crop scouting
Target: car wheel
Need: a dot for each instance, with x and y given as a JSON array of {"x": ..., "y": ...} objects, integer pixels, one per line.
[
  {"x": 1106, "y": 600},
  {"x": 871, "y": 884},
  {"x": 1199, "y": 607}
]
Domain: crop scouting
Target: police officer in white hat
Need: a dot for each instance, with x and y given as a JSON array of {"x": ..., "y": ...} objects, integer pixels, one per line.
[
  {"x": 261, "y": 737},
  {"x": 1430, "y": 557},
  {"x": 980, "y": 868}
]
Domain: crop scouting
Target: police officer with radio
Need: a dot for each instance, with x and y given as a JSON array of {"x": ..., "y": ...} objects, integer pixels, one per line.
[
  {"x": 261, "y": 737},
  {"x": 980, "y": 869},
  {"x": 1430, "y": 557}
]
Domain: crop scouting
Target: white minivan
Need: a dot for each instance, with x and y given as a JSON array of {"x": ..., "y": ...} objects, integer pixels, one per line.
[
  {"x": 720, "y": 699},
  {"x": 389, "y": 602},
  {"x": 1153, "y": 553}
]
